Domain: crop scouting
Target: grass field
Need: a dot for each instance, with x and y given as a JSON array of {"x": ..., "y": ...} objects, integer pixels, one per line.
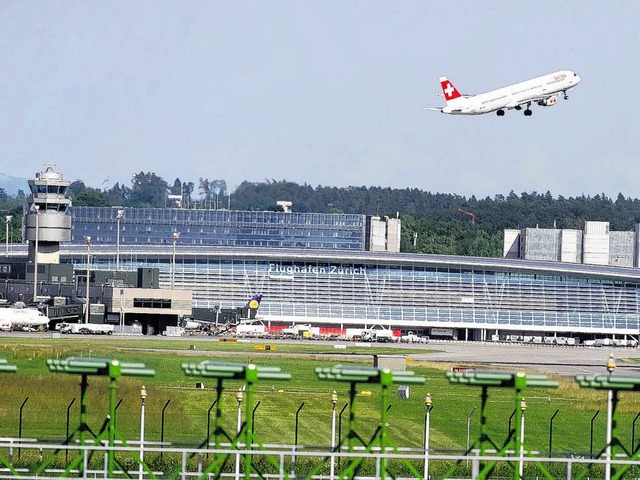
[{"x": 50, "y": 394}]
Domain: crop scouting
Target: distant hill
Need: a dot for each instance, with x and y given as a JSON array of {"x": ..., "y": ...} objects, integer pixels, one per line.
[{"x": 11, "y": 185}]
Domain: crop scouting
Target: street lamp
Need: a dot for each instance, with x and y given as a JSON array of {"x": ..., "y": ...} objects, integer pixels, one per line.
[
  {"x": 119, "y": 216},
  {"x": 174, "y": 238},
  {"x": 428, "y": 403},
  {"x": 88, "y": 242},
  {"x": 334, "y": 402},
  {"x": 611, "y": 366},
  {"x": 36, "y": 209},
  {"x": 143, "y": 397},
  {"x": 523, "y": 407},
  {"x": 7, "y": 220},
  {"x": 239, "y": 398}
]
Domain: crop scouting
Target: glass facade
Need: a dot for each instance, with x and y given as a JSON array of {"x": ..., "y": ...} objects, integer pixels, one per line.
[
  {"x": 153, "y": 226},
  {"x": 412, "y": 291}
]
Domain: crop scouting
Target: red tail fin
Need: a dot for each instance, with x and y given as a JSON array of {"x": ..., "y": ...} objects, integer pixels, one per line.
[{"x": 450, "y": 92}]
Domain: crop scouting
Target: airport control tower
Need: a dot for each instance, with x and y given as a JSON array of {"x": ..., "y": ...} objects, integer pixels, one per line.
[{"x": 47, "y": 220}]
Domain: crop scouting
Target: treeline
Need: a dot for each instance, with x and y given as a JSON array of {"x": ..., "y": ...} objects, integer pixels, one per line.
[
  {"x": 439, "y": 223},
  {"x": 11, "y": 209}
]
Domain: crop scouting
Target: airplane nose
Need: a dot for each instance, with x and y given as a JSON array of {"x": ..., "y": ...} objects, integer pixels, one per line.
[{"x": 578, "y": 78}]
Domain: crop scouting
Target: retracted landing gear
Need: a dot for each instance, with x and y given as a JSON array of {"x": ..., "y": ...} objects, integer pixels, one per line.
[{"x": 500, "y": 113}]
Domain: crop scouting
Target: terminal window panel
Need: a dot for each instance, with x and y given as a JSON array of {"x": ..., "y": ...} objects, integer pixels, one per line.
[{"x": 227, "y": 228}]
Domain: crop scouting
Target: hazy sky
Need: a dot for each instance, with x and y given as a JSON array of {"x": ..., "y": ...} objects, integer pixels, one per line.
[{"x": 319, "y": 92}]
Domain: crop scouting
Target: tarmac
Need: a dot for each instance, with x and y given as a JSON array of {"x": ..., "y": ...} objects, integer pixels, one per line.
[{"x": 559, "y": 360}]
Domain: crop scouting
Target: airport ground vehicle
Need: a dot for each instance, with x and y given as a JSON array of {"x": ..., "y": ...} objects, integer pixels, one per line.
[
  {"x": 86, "y": 328},
  {"x": 378, "y": 335}
]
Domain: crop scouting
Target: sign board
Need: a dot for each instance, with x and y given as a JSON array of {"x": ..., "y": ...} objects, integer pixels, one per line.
[
  {"x": 266, "y": 348},
  {"x": 463, "y": 369}
]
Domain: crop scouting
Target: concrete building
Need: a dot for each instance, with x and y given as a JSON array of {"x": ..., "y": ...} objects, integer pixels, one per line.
[{"x": 595, "y": 245}]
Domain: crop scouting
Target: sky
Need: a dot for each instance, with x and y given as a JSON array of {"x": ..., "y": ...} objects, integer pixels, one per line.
[{"x": 319, "y": 92}]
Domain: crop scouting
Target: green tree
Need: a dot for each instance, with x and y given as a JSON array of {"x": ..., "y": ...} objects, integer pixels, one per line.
[{"x": 148, "y": 191}]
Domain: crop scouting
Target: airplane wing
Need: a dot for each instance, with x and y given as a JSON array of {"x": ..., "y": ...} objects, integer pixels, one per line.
[
  {"x": 523, "y": 103},
  {"x": 438, "y": 109}
]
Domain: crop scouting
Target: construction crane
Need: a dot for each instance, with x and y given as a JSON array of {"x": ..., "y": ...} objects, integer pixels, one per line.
[{"x": 472, "y": 217}]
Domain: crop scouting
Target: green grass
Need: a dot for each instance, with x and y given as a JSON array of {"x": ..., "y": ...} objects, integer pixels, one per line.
[{"x": 49, "y": 395}]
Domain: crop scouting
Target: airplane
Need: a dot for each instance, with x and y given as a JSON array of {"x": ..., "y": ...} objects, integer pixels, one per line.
[
  {"x": 542, "y": 90},
  {"x": 16, "y": 317}
]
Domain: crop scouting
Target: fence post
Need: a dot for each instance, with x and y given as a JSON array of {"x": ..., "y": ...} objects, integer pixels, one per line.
[
  {"x": 162, "y": 427},
  {"x": 593, "y": 419},
  {"x": 510, "y": 418},
  {"x": 295, "y": 442},
  {"x": 20, "y": 424},
  {"x": 633, "y": 434},
  {"x": 253, "y": 417},
  {"x": 115, "y": 417},
  {"x": 209, "y": 423},
  {"x": 340, "y": 427},
  {"x": 469, "y": 431},
  {"x": 551, "y": 431},
  {"x": 66, "y": 458}
]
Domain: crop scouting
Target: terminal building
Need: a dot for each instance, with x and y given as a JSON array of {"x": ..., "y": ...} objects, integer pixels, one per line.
[{"x": 343, "y": 271}]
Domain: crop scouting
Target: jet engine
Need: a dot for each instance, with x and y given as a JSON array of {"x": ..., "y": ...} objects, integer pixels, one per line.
[{"x": 547, "y": 102}]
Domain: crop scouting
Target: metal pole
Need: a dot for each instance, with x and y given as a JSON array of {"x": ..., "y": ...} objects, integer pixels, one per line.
[
  {"x": 253, "y": 416},
  {"x": 143, "y": 397},
  {"x": 239, "y": 398},
  {"x": 633, "y": 434},
  {"x": 113, "y": 392},
  {"x": 591, "y": 440},
  {"x": 340, "y": 427},
  {"x": 297, "y": 418},
  {"x": 469, "y": 429},
  {"x": 209, "y": 423},
  {"x": 122, "y": 310},
  {"x": 119, "y": 216},
  {"x": 7, "y": 220},
  {"x": 117, "y": 243},
  {"x": 174, "y": 238},
  {"x": 83, "y": 419},
  {"x": 510, "y": 418},
  {"x": 162, "y": 426},
  {"x": 607, "y": 472},
  {"x": 523, "y": 407},
  {"x": 551, "y": 430},
  {"x": 35, "y": 254},
  {"x": 20, "y": 424},
  {"x": 88, "y": 242},
  {"x": 334, "y": 401},
  {"x": 115, "y": 417},
  {"x": 611, "y": 365},
  {"x": 295, "y": 441},
  {"x": 429, "y": 406},
  {"x": 67, "y": 431}
]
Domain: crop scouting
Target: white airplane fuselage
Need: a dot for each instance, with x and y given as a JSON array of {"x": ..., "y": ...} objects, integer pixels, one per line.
[
  {"x": 540, "y": 90},
  {"x": 22, "y": 317}
]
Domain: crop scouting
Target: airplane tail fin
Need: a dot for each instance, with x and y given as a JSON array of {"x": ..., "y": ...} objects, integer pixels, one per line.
[
  {"x": 253, "y": 305},
  {"x": 450, "y": 92}
]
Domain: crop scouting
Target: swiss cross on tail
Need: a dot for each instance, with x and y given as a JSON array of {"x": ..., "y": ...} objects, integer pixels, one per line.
[{"x": 450, "y": 92}]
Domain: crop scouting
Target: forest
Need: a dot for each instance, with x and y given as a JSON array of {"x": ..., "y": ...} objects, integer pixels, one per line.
[{"x": 439, "y": 223}]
